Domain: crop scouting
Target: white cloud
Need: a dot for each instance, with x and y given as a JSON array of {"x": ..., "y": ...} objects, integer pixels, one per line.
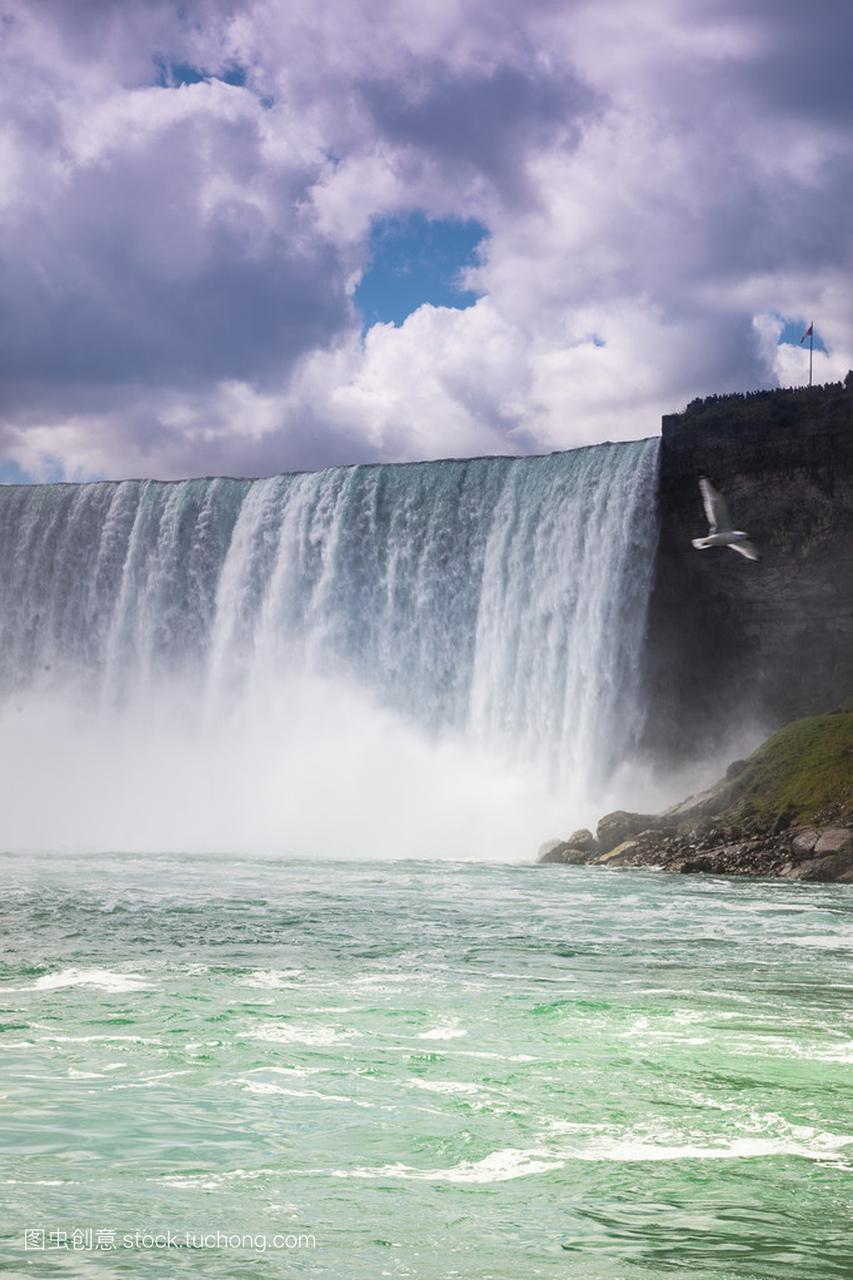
[{"x": 659, "y": 183}]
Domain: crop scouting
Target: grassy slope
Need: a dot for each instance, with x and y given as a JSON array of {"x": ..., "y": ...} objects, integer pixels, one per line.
[{"x": 804, "y": 770}]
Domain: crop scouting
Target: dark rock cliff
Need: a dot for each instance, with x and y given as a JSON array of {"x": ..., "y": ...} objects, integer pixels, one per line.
[{"x": 733, "y": 643}]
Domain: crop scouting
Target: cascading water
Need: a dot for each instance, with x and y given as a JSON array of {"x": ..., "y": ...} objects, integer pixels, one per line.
[{"x": 227, "y": 663}]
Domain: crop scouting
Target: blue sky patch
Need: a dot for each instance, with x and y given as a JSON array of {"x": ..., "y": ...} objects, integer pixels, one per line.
[
  {"x": 11, "y": 473},
  {"x": 794, "y": 330},
  {"x": 413, "y": 260},
  {"x": 172, "y": 74}
]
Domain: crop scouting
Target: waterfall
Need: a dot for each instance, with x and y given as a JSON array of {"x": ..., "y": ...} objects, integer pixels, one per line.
[{"x": 498, "y": 604}]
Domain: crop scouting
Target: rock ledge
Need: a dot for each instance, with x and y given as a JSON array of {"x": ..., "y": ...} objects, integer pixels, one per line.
[{"x": 786, "y": 811}]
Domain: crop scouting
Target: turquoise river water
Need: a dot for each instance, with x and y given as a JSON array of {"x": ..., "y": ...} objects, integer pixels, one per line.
[{"x": 360, "y": 1070}]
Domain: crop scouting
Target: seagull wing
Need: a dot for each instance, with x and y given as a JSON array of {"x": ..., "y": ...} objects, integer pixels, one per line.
[
  {"x": 747, "y": 549},
  {"x": 715, "y": 506}
]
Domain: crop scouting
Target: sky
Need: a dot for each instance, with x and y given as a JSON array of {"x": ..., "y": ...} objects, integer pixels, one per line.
[{"x": 246, "y": 236}]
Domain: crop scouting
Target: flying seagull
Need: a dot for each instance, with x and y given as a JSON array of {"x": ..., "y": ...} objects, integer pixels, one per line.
[{"x": 721, "y": 533}]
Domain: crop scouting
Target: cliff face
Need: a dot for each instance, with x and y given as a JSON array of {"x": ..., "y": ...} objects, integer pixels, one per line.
[{"x": 730, "y": 642}]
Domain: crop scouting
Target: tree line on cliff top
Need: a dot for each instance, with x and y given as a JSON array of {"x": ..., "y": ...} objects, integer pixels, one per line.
[{"x": 780, "y": 403}]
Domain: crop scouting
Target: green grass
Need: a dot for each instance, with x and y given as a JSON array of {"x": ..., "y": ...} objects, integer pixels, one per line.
[{"x": 804, "y": 770}]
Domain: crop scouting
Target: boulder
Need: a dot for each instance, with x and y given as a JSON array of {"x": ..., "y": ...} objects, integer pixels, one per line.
[
  {"x": 834, "y": 840},
  {"x": 547, "y": 849},
  {"x": 577, "y": 857},
  {"x": 623, "y": 855},
  {"x": 560, "y": 851},
  {"x": 614, "y": 828},
  {"x": 705, "y": 804},
  {"x": 583, "y": 839},
  {"x": 829, "y": 867},
  {"x": 690, "y": 866},
  {"x": 821, "y": 854},
  {"x": 804, "y": 840}
]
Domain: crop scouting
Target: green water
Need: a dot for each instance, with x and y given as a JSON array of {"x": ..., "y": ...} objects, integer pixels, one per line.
[{"x": 425, "y": 1070}]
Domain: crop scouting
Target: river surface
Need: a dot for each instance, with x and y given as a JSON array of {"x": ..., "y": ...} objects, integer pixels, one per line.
[{"x": 254, "y": 1068}]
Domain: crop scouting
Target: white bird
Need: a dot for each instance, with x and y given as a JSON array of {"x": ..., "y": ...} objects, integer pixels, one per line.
[{"x": 721, "y": 533}]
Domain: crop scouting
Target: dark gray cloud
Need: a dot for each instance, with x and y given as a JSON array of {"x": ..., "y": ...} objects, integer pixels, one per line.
[
  {"x": 800, "y": 68},
  {"x": 164, "y": 251},
  {"x": 476, "y": 126},
  {"x": 122, "y": 279}
]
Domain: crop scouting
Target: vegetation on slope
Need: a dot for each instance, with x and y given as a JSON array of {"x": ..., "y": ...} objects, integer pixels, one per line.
[
  {"x": 785, "y": 811},
  {"x": 803, "y": 773}
]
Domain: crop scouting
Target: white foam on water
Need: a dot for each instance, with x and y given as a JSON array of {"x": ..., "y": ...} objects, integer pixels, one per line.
[
  {"x": 147, "y": 1082},
  {"x": 209, "y": 1181},
  {"x": 769, "y": 1045},
  {"x": 766, "y": 908},
  {"x": 445, "y": 1086},
  {"x": 822, "y": 1147},
  {"x": 757, "y": 1135},
  {"x": 288, "y": 1071},
  {"x": 484, "y": 1054},
  {"x": 843, "y": 1054},
  {"x": 186, "y": 1182},
  {"x": 488, "y": 1056},
  {"x": 60, "y": 1039},
  {"x": 445, "y": 1031},
  {"x": 842, "y": 941},
  {"x": 500, "y": 1166},
  {"x": 271, "y": 978},
  {"x": 40, "y": 1182},
  {"x": 264, "y": 1086},
  {"x": 315, "y": 1037},
  {"x": 686, "y": 1017},
  {"x": 103, "y": 979},
  {"x": 386, "y": 979},
  {"x": 556, "y": 1125},
  {"x": 336, "y": 1008}
]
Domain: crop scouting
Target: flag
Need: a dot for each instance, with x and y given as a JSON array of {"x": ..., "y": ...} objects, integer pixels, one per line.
[{"x": 808, "y": 333}]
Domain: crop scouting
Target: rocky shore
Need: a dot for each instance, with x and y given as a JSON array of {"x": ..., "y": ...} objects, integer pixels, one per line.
[{"x": 785, "y": 811}]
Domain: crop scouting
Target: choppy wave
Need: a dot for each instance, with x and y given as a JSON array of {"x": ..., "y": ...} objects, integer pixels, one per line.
[{"x": 632, "y": 1085}]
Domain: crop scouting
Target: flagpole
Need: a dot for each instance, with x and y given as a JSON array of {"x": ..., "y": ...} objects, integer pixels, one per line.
[{"x": 811, "y": 351}]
